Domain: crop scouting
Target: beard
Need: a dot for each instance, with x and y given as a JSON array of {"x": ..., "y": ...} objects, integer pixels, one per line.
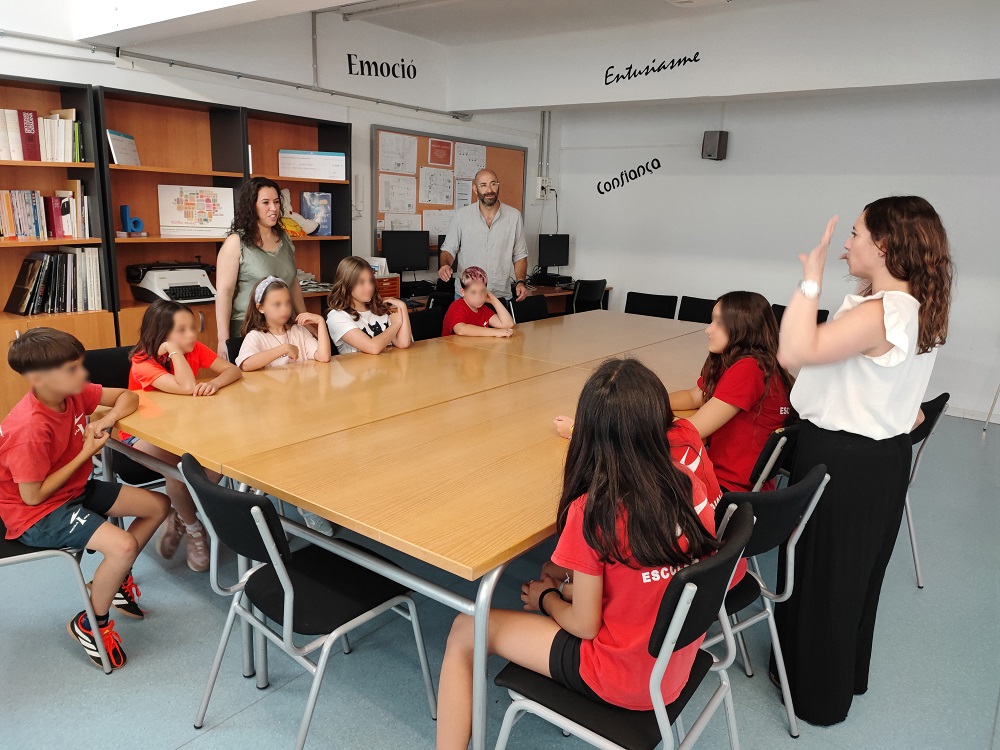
[{"x": 489, "y": 200}]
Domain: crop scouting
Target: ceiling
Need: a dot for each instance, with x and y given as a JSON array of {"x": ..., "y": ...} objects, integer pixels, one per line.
[{"x": 460, "y": 22}]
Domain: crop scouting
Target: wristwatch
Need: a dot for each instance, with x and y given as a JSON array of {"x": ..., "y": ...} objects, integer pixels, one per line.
[{"x": 809, "y": 288}]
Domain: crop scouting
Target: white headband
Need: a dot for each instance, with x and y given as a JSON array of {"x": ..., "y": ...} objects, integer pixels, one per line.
[{"x": 262, "y": 288}]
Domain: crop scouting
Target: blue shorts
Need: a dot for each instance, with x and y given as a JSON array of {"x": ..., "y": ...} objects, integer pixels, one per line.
[{"x": 72, "y": 524}]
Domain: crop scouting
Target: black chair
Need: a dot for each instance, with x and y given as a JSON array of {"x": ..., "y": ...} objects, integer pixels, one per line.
[
  {"x": 426, "y": 324},
  {"x": 588, "y": 295},
  {"x": 653, "y": 305},
  {"x": 932, "y": 410},
  {"x": 310, "y": 592},
  {"x": 779, "y": 310},
  {"x": 233, "y": 347},
  {"x": 110, "y": 368},
  {"x": 696, "y": 309},
  {"x": 12, "y": 552},
  {"x": 691, "y": 603},
  {"x": 440, "y": 299},
  {"x": 781, "y": 517},
  {"x": 775, "y": 457},
  {"x": 530, "y": 308}
]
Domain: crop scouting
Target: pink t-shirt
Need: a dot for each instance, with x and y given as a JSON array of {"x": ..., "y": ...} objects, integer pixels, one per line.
[{"x": 260, "y": 341}]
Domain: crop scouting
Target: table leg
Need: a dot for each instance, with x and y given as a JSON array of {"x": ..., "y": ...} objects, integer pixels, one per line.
[
  {"x": 484, "y": 597},
  {"x": 246, "y": 631},
  {"x": 106, "y": 474}
]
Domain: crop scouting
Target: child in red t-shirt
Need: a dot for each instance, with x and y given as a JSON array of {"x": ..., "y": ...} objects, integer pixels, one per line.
[
  {"x": 469, "y": 316},
  {"x": 47, "y": 498},
  {"x": 168, "y": 358},
  {"x": 742, "y": 394},
  {"x": 620, "y": 488}
]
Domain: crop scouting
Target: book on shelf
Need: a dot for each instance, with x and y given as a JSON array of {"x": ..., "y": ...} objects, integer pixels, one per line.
[
  {"x": 123, "y": 148},
  {"x": 29, "y": 215},
  {"x": 57, "y": 281},
  {"x": 26, "y": 136},
  {"x": 318, "y": 207}
]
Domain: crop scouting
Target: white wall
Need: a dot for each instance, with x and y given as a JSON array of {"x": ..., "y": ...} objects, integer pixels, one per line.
[
  {"x": 702, "y": 228},
  {"x": 744, "y": 49}
]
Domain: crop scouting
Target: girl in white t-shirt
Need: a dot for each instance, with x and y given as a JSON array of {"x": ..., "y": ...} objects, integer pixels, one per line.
[
  {"x": 359, "y": 319},
  {"x": 272, "y": 337}
]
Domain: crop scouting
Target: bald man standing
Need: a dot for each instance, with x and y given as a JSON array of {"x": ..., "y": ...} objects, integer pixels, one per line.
[{"x": 488, "y": 234}]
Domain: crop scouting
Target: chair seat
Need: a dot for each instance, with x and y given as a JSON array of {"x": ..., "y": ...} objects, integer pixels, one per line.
[
  {"x": 743, "y": 594},
  {"x": 634, "y": 730},
  {"x": 329, "y": 591},
  {"x": 13, "y": 548}
]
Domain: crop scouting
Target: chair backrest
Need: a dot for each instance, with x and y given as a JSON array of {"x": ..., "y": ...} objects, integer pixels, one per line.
[
  {"x": 711, "y": 575},
  {"x": 776, "y": 455},
  {"x": 530, "y": 308},
  {"x": 445, "y": 286},
  {"x": 588, "y": 294},
  {"x": 780, "y": 512},
  {"x": 427, "y": 324},
  {"x": 108, "y": 367},
  {"x": 779, "y": 310},
  {"x": 932, "y": 410},
  {"x": 440, "y": 299},
  {"x": 653, "y": 305},
  {"x": 233, "y": 347},
  {"x": 227, "y": 514},
  {"x": 696, "y": 309}
]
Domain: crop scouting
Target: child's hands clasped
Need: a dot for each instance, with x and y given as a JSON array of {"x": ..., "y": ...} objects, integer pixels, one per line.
[
  {"x": 531, "y": 590},
  {"x": 94, "y": 439}
]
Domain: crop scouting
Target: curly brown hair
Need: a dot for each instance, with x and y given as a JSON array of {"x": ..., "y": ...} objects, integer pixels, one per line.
[
  {"x": 348, "y": 274},
  {"x": 753, "y": 332},
  {"x": 245, "y": 213},
  {"x": 910, "y": 233}
]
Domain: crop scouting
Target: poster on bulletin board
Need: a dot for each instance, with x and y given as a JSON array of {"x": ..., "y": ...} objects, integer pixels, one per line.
[{"x": 421, "y": 179}]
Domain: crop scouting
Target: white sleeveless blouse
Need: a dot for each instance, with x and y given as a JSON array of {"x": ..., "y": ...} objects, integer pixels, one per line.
[{"x": 877, "y": 397}]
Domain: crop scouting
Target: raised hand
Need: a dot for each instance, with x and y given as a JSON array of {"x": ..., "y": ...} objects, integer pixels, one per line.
[{"x": 814, "y": 262}]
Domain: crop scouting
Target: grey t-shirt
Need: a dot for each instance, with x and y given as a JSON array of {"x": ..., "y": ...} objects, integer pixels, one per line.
[{"x": 493, "y": 248}]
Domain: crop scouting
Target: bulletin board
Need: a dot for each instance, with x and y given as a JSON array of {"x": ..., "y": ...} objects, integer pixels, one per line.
[{"x": 414, "y": 173}]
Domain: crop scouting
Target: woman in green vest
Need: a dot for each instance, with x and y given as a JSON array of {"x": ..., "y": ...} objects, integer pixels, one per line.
[{"x": 257, "y": 246}]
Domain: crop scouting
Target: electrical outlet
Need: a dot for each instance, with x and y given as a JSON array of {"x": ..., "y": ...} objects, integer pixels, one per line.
[{"x": 542, "y": 185}]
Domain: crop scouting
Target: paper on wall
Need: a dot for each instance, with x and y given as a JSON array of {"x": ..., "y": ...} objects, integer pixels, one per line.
[
  {"x": 469, "y": 159},
  {"x": 402, "y": 222},
  {"x": 397, "y": 194},
  {"x": 463, "y": 193},
  {"x": 397, "y": 153},
  {"x": 438, "y": 222},
  {"x": 437, "y": 186}
]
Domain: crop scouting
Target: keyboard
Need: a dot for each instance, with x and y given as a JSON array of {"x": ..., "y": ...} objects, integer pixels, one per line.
[{"x": 190, "y": 292}]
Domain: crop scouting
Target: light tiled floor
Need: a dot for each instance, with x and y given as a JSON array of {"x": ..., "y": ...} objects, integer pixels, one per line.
[{"x": 936, "y": 671}]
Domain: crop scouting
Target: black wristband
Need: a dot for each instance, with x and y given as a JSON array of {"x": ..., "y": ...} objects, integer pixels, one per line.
[
  {"x": 541, "y": 597},
  {"x": 521, "y": 281}
]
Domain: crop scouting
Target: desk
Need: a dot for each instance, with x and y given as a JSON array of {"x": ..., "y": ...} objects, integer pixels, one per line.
[
  {"x": 396, "y": 426},
  {"x": 677, "y": 361}
]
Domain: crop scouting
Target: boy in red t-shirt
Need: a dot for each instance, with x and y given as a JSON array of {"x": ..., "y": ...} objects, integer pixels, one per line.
[
  {"x": 469, "y": 316},
  {"x": 47, "y": 498}
]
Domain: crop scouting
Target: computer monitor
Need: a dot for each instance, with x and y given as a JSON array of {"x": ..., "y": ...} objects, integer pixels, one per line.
[
  {"x": 406, "y": 251},
  {"x": 553, "y": 250}
]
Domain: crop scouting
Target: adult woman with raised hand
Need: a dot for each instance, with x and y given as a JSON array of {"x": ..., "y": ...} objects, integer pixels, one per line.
[
  {"x": 858, "y": 392},
  {"x": 257, "y": 247}
]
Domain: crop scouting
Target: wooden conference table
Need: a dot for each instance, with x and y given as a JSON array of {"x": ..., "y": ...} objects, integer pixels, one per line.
[{"x": 444, "y": 451}]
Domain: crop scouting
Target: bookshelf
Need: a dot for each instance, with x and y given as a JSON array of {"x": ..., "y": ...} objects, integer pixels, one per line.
[
  {"x": 95, "y": 329},
  {"x": 180, "y": 141},
  {"x": 267, "y": 133}
]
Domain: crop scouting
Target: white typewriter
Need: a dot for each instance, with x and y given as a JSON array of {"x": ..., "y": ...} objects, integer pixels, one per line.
[{"x": 180, "y": 282}]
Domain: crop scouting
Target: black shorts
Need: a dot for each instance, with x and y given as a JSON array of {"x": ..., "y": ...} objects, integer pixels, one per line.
[
  {"x": 564, "y": 665},
  {"x": 71, "y": 525}
]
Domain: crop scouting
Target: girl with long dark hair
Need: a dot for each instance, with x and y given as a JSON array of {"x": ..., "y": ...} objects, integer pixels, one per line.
[
  {"x": 742, "y": 394},
  {"x": 256, "y": 247},
  {"x": 628, "y": 518},
  {"x": 167, "y": 358},
  {"x": 858, "y": 392}
]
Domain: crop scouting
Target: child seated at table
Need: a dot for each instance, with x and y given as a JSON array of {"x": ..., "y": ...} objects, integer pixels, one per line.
[
  {"x": 47, "y": 498},
  {"x": 271, "y": 337},
  {"x": 620, "y": 489},
  {"x": 359, "y": 319},
  {"x": 168, "y": 358},
  {"x": 470, "y": 315}
]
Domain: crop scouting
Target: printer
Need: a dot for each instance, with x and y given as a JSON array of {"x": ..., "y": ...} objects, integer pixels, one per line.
[{"x": 178, "y": 281}]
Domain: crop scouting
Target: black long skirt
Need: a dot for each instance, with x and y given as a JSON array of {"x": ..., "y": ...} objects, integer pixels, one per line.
[{"x": 827, "y": 626}]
